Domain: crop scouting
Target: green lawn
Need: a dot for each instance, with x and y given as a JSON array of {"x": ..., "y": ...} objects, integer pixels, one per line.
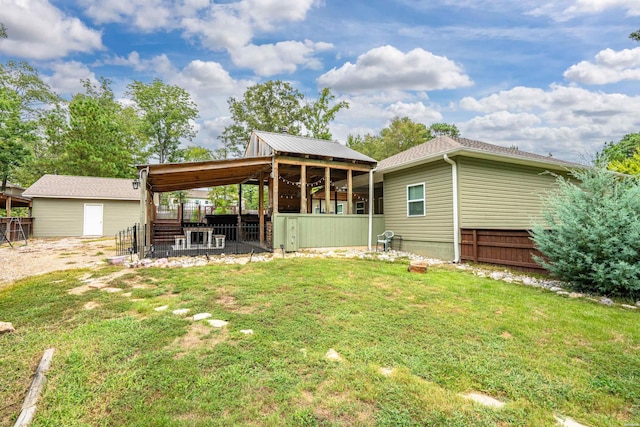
[{"x": 443, "y": 333}]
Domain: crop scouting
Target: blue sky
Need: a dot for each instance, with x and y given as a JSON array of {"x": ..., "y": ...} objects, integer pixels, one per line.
[{"x": 550, "y": 76}]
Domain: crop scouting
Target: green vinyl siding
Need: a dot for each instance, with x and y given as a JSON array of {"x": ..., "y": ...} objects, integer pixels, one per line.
[
  {"x": 65, "y": 217},
  {"x": 431, "y": 234},
  {"x": 500, "y": 195},
  {"x": 325, "y": 231}
]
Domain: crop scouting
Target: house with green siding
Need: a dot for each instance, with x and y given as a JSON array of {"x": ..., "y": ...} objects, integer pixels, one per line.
[
  {"x": 77, "y": 206},
  {"x": 437, "y": 193}
]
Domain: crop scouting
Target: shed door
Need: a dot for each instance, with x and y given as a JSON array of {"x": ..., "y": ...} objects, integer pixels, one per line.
[{"x": 92, "y": 220}]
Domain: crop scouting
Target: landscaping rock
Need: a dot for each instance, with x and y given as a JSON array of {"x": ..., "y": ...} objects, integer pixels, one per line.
[
  {"x": 201, "y": 316},
  {"x": 333, "y": 356},
  {"x": 563, "y": 293},
  {"x": 484, "y": 399},
  {"x": 418, "y": 267},
  {"x": 181, "y": 311},
  {"x": 246, "y": 331},
  {"x": 217, "y": 323},
  {"x": 117, "y": 260},
  {"x": 6, "y": 328},
  {"x": 606, "y": 301},
  {"x": 637, "y": 303},
  {"x": 91, "y": 305},
  {"x": 556, "y": 289},
  {"x": 630, "y": 307},
  {"x": 161, "y": 308}
]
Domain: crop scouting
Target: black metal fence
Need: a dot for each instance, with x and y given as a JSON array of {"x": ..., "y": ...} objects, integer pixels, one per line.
[{"x": 197, "y": 240}]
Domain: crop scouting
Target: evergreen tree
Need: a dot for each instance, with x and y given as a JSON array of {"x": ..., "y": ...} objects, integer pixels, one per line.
[{"x": 590, "y": 235}]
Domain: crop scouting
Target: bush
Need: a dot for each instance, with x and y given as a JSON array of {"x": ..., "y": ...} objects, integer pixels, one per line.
[{"x": 591, "y": 232}]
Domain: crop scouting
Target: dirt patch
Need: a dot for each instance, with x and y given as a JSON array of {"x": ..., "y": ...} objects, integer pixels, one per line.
[
  {"x": 231, "y": 304},
  {"x": 199, "y": 335},
  {"x": 40, "y": 256}
]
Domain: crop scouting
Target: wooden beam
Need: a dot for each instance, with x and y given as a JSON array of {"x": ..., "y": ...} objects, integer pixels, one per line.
[
  {"x": 349, "y": 192},
  {"x": 323, "y": 163},
  {"x": 303, "y": 189},
  {"x": 327, "y": 186},
  {"x": 8, "y": 207}
]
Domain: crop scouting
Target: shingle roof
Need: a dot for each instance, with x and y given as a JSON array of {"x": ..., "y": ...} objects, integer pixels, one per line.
[
  {"x": 446, "y": 144},
  {"x": 285, "y": 143},
  {"x": 83, "y": 187}
]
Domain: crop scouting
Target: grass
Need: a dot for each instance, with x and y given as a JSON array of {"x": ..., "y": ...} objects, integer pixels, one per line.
[{"x": 443, "y": 333}]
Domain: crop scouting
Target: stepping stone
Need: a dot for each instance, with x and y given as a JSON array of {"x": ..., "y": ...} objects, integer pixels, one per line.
[
  {"x": 127, "y": 294},
  {"x": 162, "y": 308},
  {"x": 567, "y": 422},
  {"x": 630, "y": 307},
  {"x": 246, "y": 331},
  {"x": 111, "y": 290},
  {"x": 217, "y": 323},
  {"x": 483, "y": 399},
  {"x": 386, "y": 371},
  {"x": 91, "y": 305},
  {"x": 333, "y": 355},
  {"x": 6, "y": 327},
  {"x": 201, "y": 316},
  {"x": 180, "y": 311}
]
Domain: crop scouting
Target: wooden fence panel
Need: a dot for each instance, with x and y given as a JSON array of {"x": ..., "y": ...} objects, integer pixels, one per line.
[{"x": 512, "y": 248}]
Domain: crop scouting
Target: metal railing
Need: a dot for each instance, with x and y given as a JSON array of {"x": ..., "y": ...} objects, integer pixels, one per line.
[{"x": 226, "y": 239}]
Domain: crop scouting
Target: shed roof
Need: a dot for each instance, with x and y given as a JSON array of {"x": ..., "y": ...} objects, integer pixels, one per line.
[
  {"x": 441, "y": 145},
  {"x": 283, "y": 144},
  {"x": 82, "y": 187}
]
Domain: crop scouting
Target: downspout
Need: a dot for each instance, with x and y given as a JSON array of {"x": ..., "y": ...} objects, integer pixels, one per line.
[
  {"x": 370, "y": 206},
  {"x": 456, "y": 216}
]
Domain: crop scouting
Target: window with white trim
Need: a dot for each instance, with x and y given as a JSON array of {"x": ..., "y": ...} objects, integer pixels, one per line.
[
  {"x": 416, "y": 205},
  {"x": 360, "y": 208}
]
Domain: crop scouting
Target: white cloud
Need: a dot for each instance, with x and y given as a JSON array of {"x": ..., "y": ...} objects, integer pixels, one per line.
[
  {"x": 159, "y": 64},
  {"x": 271, "y": 59},
  {"x": 568, "y": 121},
  {"x": 57, "y": 35},
  {"x": 146, "y": 15},
  {"x": 562, "y": 10},
  {"x": 609, "y": 67},
  {"x": 388, "y": 68},
  {"x": 67, "y": 76}
]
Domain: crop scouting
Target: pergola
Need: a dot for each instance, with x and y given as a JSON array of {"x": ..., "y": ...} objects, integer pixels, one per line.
[{"x": 291, "y": 167}]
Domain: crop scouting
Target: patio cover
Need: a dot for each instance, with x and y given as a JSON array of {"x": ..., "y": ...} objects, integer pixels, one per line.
[{"x": 166, "y": 177}]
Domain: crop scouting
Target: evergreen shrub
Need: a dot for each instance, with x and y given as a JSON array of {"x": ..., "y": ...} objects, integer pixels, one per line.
[{"x": 590, "y": 233}]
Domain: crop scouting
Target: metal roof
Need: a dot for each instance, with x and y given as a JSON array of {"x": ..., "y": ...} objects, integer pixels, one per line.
[
  {"x": 283, "y": 143},
  {"x": 186, "y": 176},
  {"x": 454, "y": 145},
  {"x": 82, "y": 187}
]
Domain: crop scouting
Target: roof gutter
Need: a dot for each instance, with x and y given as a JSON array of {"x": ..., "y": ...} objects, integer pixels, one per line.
[{"x": 456, "y": 215}]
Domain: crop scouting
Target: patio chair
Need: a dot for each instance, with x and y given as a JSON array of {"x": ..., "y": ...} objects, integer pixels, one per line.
[{"x": 385, "y": 240}]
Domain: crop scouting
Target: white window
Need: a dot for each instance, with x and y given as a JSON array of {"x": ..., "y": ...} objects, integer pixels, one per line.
[
  {"x": 416, "y": 200},
  {"x": 360, "y": 208},
  {"x": 339, "y": 209}
]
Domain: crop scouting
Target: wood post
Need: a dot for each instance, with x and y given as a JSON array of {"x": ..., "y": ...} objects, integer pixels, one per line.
[
  {"x": 303, "y": 189},
  {"x": 349, "y": 192},
  {"x": 275, "y": 194},
  {"x": 8, "y": 207},
  {"x": 327, "y": 189},
  {"x": 261, "y": 207}
]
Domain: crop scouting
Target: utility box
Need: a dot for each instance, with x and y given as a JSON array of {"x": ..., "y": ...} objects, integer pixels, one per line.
[{"x": 291, "y": 238}]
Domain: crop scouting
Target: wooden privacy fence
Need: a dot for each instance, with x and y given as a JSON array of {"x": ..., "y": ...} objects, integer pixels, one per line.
[{"x": 513, "y": 248}]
